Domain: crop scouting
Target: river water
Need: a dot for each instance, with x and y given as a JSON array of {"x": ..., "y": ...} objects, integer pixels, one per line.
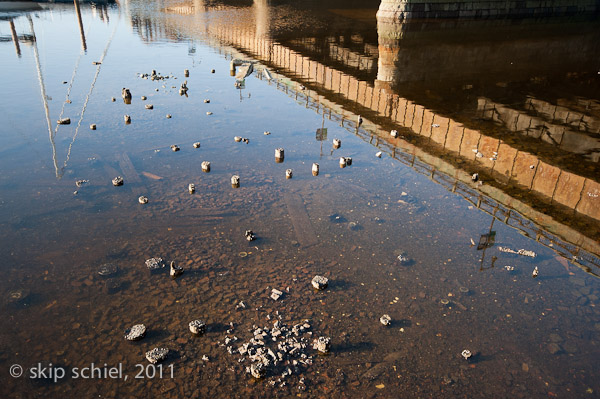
[{"x": 407, "y": 233}]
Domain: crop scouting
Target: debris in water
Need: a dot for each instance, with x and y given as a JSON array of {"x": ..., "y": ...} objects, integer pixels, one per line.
[
  {"x": 169, "y": 116},
  {"x": 192, "y": 188},
  {"x": 320, "y": 282},
  {"x": 117, "y": 181},
  {"x": 126, "y": 94},
  {"x": 143, "y": 200},
  {"x": 81, "y": 182},
  {"x": 197, "y": 327},
  {"x": 535, "y": 272},
  {"x": 378, "y": 154},
  {"x": 322, "y": 344},
  {"x": 276, "y": 294},
  {"x": 435, "y": 125},
  {"x": 175, "y": 148},
  {"x": 144, "y": 98},
  {"x": 206, "y": 166},
  {"x": 149, "y": 106},
  {"x": 279, "y": 155},
  {"x": 175, "y": 271},
  {"x": 342, "y": 162},
  {"x": 267, "y": 133},
  {"x": 523, "y": 252},
  {"x": 249, "y": 234},
  {"x": 315, "y": 169},
  {"x": 155, "y": 264},
  {"x": 196, "y": 144},
  {"x": 157, "y": 355},
  {"x": 237, "y": 139},
  {"x": 127, "y": 119},
  {"x": 135, "y": 333},
  {"x": 64, "y": 121},
  {"x": 93, "y": 126},
  {"x": 359, "y": 120},
  {"x": 108, "y": 269},
  {"x": 394, "y": 133},
  {"x": 466, "y": 354},
  {"x": 207, "y": 101},
  {"x": 235, "y": 181},
  {"x": 475, "y": 177},
  {"x": 385, "y": 320},
  {"x": 288, "y": 173},
  {"x": 337, "y": 143}
]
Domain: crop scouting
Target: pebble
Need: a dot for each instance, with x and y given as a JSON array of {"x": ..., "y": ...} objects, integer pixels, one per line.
[
  {"x": 135, "y": 333},
  {"x": 191, "y": 188},
  {"x": 276, "y": 294},
  {"x": 143, "y": 200},
  {"x": 169, "y": 116},
  {"x": 386, "y": 320},
  {"x": 322, "y": 344},
  {"x": 208, "y": 113},
  {"x": 155, "y": 264},
  {"x": 196, "y": 144},
  {"x": 149, "y": 106},
  {"x": 64, "y": 121},
  {"x": 157, "y": 355},
  {"x": 197, "y": 327},
  {"x": 206, "y": 166},
  {"x": 175, "y": 148},
  {"x": 117, "y": 181},
  {"x": 93, "y": 126},
  {"x": 144, "y": 98},
  {"x": 127, "y": 118},
  {"x": 206, "y": 101},
  {"x": 378, "y": 154},
  {"x": 320, "y": 282}
]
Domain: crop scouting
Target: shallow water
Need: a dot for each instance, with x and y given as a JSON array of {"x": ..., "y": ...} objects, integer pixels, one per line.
[{"x": 529, "y": 337}]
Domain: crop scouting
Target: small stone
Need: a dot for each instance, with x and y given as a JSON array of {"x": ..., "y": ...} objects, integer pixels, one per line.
[
  {"x": 208, "y": 113},
  {"x": 168, "y": 116},
  {"x": 149, "y": 106},
  {"x": 249, "y": 234},
  {"x": 322, "y": 344},
  {"x": 266, "y": 133},
  {"x": 258, "y": 370},
  {"x": 212, "y": 71},
  {"x": 93, "y": 126},
  {"x": 144, "y": 98},
  {"x": 206, "y": 101},
  {"x": 289, "y": 173},
  {"x": 276, "y": 294},
  {"x": 206, "y": 166},
  {"x": 337, "y": 143},
  {"x": 394, "y": 133},
  {"x": 117, "y": 181},
  {"x": 466, "y": 354},
  {"x": 113, "y": 99},
  {"x": 64, "y": 121},
  {"x": 386, "y": 320},
  {"x": 554, "y": 348},
  {"x": 143, "y": 200},
  {"x": 235, "y": 181},
  {"x": 155, "y": 264},
  {"x": 157, "y": 355},
  {"x": 196, "y": 144},
  {"x": 108, "y": 269},
  {"x": 320, "y": 282},
  {"x": 175, "y": 271},
  {"x": 535, "y": 272},
  {"x": 197, "y": 327},
  {"x": 191, "y": 188},
  {"x": 127, "y": 118},
  {"x": 135, "y": 333},
  {"x": 378, "y": 154}
]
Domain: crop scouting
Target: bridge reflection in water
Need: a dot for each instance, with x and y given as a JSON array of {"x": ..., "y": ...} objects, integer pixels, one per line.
[{"x": 531, "y": 150}]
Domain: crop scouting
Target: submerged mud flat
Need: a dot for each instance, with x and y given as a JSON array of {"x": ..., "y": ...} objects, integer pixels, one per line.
[{"x": 389, "y": 240}]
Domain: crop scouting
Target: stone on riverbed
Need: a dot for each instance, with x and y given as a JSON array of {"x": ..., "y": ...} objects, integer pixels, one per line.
[
  {"x": 117, "y": 181},
  {"x": 320, "y": 282},
  {"x": 108, "y": 269},
  {"x": 157, "y": 355},
  {"x": 258, "y": 370},
  {"x": 197, "y": 327},
  {"x": 135, "y": 333},
  {"x": 155, "y": 264},
  {"x": 386, "y": 320},
  {"x": 322, "y": 344}
]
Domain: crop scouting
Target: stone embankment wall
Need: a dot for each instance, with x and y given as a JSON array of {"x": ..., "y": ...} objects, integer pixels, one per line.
[{"x": 409, "y": 9}]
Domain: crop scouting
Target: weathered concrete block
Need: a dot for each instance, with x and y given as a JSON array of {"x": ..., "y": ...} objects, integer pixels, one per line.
[
  {"x": 438, "y": 133},
  {"x": 454, "y": 136},
  {"x": 470, "y": 142},
  {"x": 505, "y": 159},
  {"x": 568, "y": 189},
  {"x": 590, "y": 200},
  {"x": 487, "y": 146},
  {"x": 427, "y": 122},
  {"x": 522, "y": 172}
]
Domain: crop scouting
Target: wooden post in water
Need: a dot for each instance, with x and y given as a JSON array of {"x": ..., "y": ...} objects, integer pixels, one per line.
[
  {"x": 78, "y": 12},
  {"x": 15, "y": 38}
]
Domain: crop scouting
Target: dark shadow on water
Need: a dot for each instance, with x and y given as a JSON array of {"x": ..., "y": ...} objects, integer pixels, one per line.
[
  {"x": 353, "y": 347},
  {"x": 340, "y": 285},
  {"x": 217, "y": 328}
]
